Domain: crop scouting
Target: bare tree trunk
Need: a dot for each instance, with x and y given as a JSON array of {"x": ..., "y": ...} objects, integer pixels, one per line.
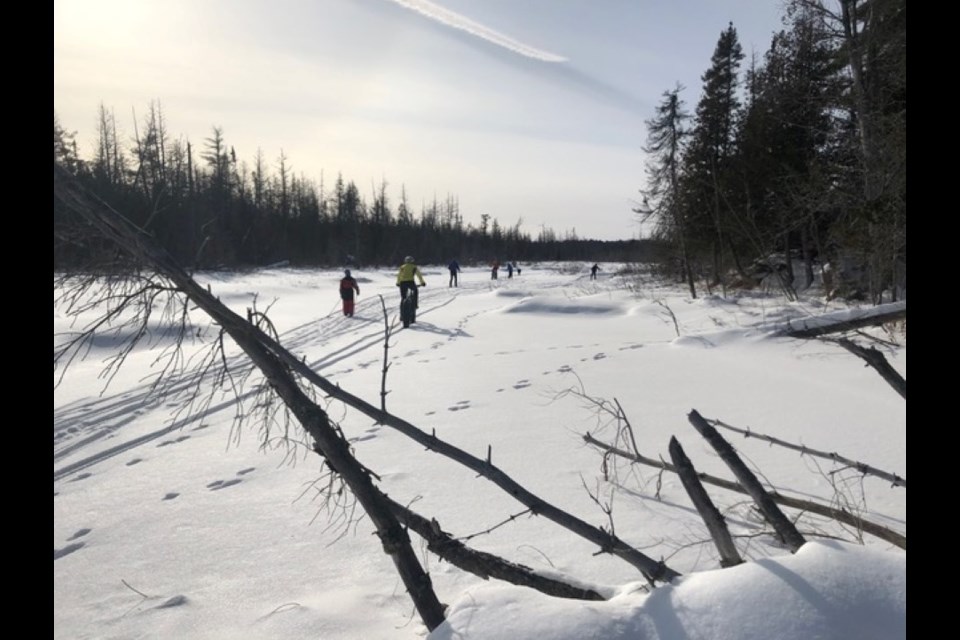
[
  {"x": 314, "y": 420},
  {"x": 729, "y": 556},
  {"x": 117, "y": 229},
  {"x": 486, "y": 565},
  {"x": 813, "y": 327},
  {"x": 781, "y": 524}
]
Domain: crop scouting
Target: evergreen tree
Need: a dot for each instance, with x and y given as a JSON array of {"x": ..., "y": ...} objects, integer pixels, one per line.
[
  {"x": 665, "y": 139},
  {"x": 706, "y": 171},
  {"x": 784, "y": 198}
]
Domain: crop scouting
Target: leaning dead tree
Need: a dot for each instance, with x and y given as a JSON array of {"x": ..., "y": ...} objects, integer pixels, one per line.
[
  {"x": 327, "y": 441},
  {"x": 283, "y": 373},
  {"x": 874, "y": 358},
  {"x": 785, "y": 529},
  {"x": 729, "y": 556},
  {"x": 847, "y": 321}
]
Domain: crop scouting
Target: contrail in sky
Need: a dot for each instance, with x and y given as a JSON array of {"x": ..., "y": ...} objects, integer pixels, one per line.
[{"x": 457, "y": 21}]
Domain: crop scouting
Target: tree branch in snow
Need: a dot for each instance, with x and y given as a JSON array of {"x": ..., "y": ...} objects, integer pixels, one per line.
[
  {"x": 729, "y": 556},
  {"x": 872, "y": 528},
  {"x": 486, "y": 565},
  {"x": 251, "y": 339},
  {"x": 894, "y": 479},
  {"x": 874, "y": 358},
  {"x": 279, "y": 367},
  {"x": 784, "y": 527},
  {"x": 844, "y": 321}
]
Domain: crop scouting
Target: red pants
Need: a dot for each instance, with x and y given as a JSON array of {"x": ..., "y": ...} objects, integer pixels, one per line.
[{"x": 348, "y": 307}]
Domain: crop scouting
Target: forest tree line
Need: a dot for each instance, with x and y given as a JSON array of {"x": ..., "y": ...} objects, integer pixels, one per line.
[
  {"x": 793, "y": 162},
  {"x": 211, "y": 211}
]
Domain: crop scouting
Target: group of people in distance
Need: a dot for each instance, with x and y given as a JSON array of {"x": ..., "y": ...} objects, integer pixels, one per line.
[{"x": 407, "y": 278}]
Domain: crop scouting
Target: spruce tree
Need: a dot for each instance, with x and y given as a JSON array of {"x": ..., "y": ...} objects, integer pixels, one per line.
[
  {"x": 665, "y": 137},
  {"x": 711, "y": 147}
]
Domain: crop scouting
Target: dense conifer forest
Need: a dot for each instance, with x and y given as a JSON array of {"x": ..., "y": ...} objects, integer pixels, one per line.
[{"x": 792, "y": 163}]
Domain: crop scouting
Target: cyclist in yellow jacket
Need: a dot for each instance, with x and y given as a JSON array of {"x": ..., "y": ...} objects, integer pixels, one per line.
[{"x": 409, "y": 271}]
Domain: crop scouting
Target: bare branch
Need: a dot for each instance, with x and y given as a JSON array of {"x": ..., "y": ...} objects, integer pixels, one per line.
[
  {"x": 894, "y": 479},
  {"x": 486, "y": 565},
  {"x": 872, "y": 528},
  {"x": 875, "y": 359},
  {"x": 252, "y": 340},
  {"x": 729, "y": 556},
  {"x": 784, "y": 527}
]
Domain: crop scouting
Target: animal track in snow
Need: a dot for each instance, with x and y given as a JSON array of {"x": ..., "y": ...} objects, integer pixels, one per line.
[
  {"x": 70, "y": 548},
  {"x": 216, "y": 485}
]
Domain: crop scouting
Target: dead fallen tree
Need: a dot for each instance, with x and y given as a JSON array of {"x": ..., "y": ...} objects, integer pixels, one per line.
[
  {"x": 874, "y": 358},
  {"x": 281, "y": 370},
  {"x": 846, "y": 321},
  {"x": 841, "y": 321},
  {"x": 842, "y": 516},
  {"x": 327, "y": 441},
  {"x": 785, "y": 529},
  {"x": 711, "y": 516},
  {"x": 486, "y": 565}
]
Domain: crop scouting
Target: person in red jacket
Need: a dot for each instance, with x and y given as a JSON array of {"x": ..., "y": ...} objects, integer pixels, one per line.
[{"x": 348, "y": 286}]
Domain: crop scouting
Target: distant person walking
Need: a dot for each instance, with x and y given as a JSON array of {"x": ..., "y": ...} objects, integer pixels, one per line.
[
  {"x": 593, "y": 271},
  {"x": 509, "y": 270},
  {"x": 454, "y": 267},
  {"x": 348, "y": 287},
  {"x": 493, "y": 269}
]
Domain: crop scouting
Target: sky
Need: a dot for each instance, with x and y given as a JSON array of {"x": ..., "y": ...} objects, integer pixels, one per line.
[
  {"x": 178, "y": 524},
  {"x": 529, "y": 112}
]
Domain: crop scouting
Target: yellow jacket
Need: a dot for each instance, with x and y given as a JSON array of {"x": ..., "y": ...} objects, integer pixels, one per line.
[{"x": 408, "y": 271}]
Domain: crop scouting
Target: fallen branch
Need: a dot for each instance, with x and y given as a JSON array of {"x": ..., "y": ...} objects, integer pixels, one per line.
[
  {"x": 486, "y": 565},
  {"x": 865, "y": 469},
  {"x": 277, "y": 362},
  {"x": 875, "y": 359},
  {"x": 768, "y": 507},
  {"x": 872, "y": 528},
  {"x": 729, "y": 556},
  {"x": 250, "y": 338},
  {"x": 844, "y": 321}
]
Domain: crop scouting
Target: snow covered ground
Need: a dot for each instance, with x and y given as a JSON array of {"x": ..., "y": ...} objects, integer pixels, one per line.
[{"x": 173, "y": 523}]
